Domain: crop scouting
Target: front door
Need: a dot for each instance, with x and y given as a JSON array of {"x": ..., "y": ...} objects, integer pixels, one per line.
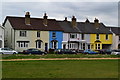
[
  {"x": 64, "y": 46},
  {"x": 46, "y": 47}
]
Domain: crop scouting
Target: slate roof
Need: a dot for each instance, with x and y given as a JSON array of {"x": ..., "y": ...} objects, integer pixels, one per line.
[
  {"x": 83, "y": 27},
  {"x": 89, "y": 28},
  {"x": 18, "y": 23},
  {"x": 67, "y": 27},
  {"x": 115, "y": 30}
]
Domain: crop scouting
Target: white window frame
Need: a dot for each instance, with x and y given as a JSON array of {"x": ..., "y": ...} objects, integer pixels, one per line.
[
  {"x": 38, "y": 33},
  {"x": 97, "y": 36},
  {"x": 23, "y": 33},
  {"x": 23, "y": 44},
  {"x": 73, "y": 35}
]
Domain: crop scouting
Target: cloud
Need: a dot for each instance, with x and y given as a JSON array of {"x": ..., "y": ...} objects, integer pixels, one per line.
[{"x": 105, "y": 11}]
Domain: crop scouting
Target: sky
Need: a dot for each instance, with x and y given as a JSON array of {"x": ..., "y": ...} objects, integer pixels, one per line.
[{"x": 104, "y": 10}]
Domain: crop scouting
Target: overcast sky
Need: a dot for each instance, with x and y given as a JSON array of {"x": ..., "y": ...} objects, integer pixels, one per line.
[{"x": 106, "y": 12}]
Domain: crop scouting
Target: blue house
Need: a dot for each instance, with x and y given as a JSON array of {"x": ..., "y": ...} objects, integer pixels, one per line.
[{"x": 55, "y": 39}]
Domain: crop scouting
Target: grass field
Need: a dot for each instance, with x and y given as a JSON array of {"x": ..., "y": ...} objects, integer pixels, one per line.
[
  {"x": 61, "y": 69},
  {"x": 21, "y": 56}
]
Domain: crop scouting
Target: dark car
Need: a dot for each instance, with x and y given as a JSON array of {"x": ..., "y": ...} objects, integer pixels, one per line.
[
  {"x": 34, "y": 51},
  {"x": 104, "y": 51},
  {"x": 65, "y": 51}
]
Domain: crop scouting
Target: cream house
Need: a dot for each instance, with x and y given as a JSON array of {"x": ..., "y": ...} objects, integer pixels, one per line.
[
  {"x": 1, "y": 36},
  {"x": 25, "y": 32}
]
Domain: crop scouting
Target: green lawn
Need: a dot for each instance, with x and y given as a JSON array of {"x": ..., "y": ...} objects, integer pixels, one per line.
[
  {"x": 21, "y": 56},
  {"x": 60, "y": 69}
]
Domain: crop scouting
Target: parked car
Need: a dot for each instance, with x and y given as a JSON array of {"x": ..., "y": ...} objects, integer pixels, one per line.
[
  {"x": 65, "y": 51},
  {"x": 89, "y": 51},
  {"x": 7, "y": 51},
  {"x": 105, "y": 51},
  {"x": 33, "y": 51},
  {"x": 115, "y": 52}
]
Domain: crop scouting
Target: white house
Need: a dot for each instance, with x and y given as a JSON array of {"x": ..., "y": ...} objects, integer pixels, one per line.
[
  {"x": 73, "y": 38},
  {"x": 116, "y": 37},
  {"x": 1, "y": 36}
]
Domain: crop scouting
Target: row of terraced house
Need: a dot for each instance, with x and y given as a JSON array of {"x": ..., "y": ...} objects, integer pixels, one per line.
[{"x": 21, "y": 33}]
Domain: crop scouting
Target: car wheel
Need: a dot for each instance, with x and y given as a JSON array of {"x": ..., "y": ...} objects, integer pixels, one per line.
[{"x": 14, "y": 53}]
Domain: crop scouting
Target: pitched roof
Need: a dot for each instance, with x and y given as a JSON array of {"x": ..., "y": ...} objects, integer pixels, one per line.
[
  {"x": 83, "y": 27},
  {"x": 18, "y": 23},
  {"x": 91, "y": 29},
  {"x": 115, "y": 30},
  {"x": 67, "y": 27}
]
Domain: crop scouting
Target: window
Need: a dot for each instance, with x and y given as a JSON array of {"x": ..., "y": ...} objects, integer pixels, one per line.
[
  {"x": 38, "y": 33},
  {"x": 88, "y": 46},
  {"x": 97, "y": 36},
  {"x": 83, "y": 46},
  {"x": 73, "y": 35},
  {"x": 82, "y": 36},
  {"x": 54, "y": 45},
  {"x": 97, "y": 46},
  {"x": 38, "y": 43},
  {"x": 23, "y": 44},
  {"x": 106, "y": 36},
  {"x": 23, "y": 33},
  {"x": 54, "y": 35}
]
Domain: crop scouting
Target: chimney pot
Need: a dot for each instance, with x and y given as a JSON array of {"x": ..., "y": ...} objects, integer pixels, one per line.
[
  {"x": 27, "y": 18},
  {"x": 45, "y": 22},
  {"x": 74, "y": 23}
]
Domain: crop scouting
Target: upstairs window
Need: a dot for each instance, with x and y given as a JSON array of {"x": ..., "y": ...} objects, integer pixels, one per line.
[
  {"x": 106, "y": 36},
  {"x": 53, "y": 34},
  {"x": 97, "y": 37},
  {"x": 73, "y": 36},
  {"x": 38, "y": 33},
  {"x": 82, "y": 36},
  {"x": 23, "y": 33}
]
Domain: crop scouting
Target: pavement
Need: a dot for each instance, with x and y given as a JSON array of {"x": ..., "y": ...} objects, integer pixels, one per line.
[{"x": 59, "y": 59}]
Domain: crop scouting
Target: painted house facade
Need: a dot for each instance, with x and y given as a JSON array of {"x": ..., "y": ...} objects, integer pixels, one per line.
[
  {"x": 1, "y": 36},
  {"x": 25, "y": 32},
  {"x": 116, "y": 37},
  {"x": 56, "y": 38},
  {"x": 85, "y": 35}
]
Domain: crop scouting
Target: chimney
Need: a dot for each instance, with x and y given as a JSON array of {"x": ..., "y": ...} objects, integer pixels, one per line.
[
  {"x": 87, "y": 21},
  {"x": 27, "y": 18},
  {"x": 74, "y": 23},
  {"x": 96, "y": 23},
  {"x": 65, "y": 19},
  {"x": 45, "y": 19}
]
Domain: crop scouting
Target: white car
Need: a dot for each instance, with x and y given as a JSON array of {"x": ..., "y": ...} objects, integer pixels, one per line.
[
  {"x": 115, "y": 52},
  {"x": 7, "y": 51}
]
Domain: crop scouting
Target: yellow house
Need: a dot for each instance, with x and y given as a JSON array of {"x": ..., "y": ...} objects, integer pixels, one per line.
[
  {"x": 101, "y": 37},
  {"x": 100, "y": 41}
]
